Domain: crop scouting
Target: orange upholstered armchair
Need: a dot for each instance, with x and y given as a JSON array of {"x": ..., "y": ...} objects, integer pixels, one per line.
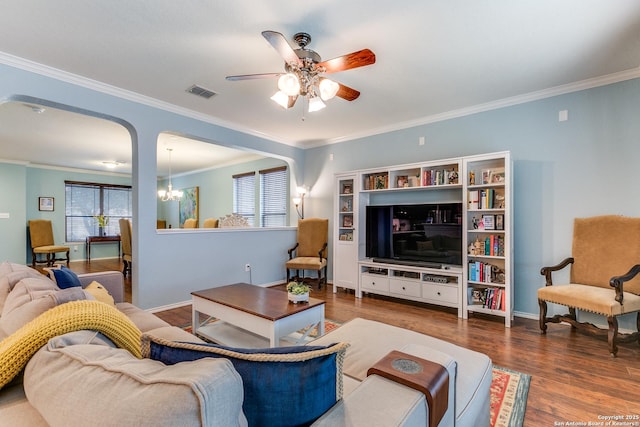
[
  {"x": 210, "y": 223},
  {"x": 190, "y": 223},
  {"x": 41, "y": 235},
  {"x": 310, "y": 251},
  {"x": 125, "y": 237},
  {"x": 603, "y": 279}
]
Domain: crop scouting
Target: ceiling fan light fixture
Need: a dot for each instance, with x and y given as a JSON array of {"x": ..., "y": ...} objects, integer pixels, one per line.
[
  {"x": 328, "y": 89},
  {"x": 289, "y": 84},
  {"x": 281, "y": 99},
  {"x": 316, "y": 104}
]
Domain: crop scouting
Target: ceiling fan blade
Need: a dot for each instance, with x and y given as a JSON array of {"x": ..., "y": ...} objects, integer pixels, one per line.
[
  {"x": 280, "y": 44},
  {"x": 253, "y": 76},
  {"x": 346, "y": 62},
  {"x": 345, "y": 92}
]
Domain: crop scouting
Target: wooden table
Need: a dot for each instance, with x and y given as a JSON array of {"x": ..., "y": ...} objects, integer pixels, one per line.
[
  {"x": 100, "y": 239},
  {"x": 253, "y": 316}
]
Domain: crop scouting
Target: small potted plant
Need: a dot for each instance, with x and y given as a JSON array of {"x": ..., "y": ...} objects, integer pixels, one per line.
[{"x": 298, "y": 291}]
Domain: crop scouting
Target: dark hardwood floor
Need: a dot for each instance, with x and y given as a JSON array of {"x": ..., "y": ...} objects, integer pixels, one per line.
[{"x": 573, "y": 377}]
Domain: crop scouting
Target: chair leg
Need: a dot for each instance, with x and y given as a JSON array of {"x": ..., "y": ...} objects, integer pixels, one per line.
[
  {"x": 67, "y": 258},
  {"x": 33, "y": 259},
  {"x": 543, "y": 315},
  {"x": 612, "y": 335}
]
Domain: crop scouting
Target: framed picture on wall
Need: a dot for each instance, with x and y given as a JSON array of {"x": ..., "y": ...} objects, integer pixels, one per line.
[
  {"x": 45, "y": 203},
  {"x": 188, "y": 205}
]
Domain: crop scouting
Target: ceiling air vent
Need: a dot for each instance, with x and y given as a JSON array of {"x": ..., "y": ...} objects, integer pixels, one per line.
[{"x": 200, "y": 91}]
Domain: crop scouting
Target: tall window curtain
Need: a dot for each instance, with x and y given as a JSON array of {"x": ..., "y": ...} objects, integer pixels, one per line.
[
  {"x": 273, "y": 197},
  {"x": 244, "y": 196},
  {"x": 85, "y": 200}
]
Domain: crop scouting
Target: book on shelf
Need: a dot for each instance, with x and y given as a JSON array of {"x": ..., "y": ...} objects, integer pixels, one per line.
[
  {"x": 378, "y": 181},
  {"x": 486, "y": 198},
  {"x": 485, "y": 272},
  {"x": 474, "y": 200},
  {"x": 439, "y": 177},
  {"x": 490, "y": 298}
]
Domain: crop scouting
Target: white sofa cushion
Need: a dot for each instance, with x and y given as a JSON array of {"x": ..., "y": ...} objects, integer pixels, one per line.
[
  {"x": 388, "y": 404},
  {"x": 371, "y": 341},
  {"x": 80, "y": 379}
]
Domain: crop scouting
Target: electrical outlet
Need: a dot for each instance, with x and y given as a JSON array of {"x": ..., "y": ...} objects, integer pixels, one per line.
[
  {"x": 75, "y": 248},
  {"x": 247, "y": 267}
]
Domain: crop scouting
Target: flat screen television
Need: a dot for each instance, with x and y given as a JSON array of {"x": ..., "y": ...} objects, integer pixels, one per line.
[{"x": 428, "y": 235}]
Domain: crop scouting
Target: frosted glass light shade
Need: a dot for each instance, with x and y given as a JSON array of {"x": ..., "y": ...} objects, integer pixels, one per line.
[
  {"x": 281, "y": 99},
  {"x": 316, "y": 104},
  {"x": 289, "y": 84},
  {"x": 328, "y": 89}
]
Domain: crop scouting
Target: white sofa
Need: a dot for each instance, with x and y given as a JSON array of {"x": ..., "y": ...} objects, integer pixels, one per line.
[
  {"x": 375, "y": 400},
  {"x": 56, "y": 389}
]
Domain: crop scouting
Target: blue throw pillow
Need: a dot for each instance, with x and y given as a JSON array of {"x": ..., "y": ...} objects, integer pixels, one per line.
[
  {"x": 64, "y": 277},
  {"x": 283, "y": 386}
]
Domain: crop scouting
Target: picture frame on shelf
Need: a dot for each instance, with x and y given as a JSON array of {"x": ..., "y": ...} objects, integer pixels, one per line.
[
  {"x": 499, "y": 222},
  {"x": 402, "y": 181},
  {"x": 486, "y": 176},
  {"x": 489, "y": 222},
  {"x": 45, "y": 204},
  {"x": 347, "y": 205},
  {"x": 347, "y": 221},
  {"x": 452, "y": 176},
  {"x": 347, "y": 189},
  {"x": 496, "y": 176}
]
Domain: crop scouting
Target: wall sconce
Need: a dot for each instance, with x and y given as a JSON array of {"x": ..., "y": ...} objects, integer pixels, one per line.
[{"x": 299, "y": 201}]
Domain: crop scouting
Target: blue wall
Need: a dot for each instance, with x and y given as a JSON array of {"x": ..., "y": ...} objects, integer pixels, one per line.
[
  {"x": 42, "y": 182},
  {"x": 13, "y": 230},
  {"x": 582, "y": 167},
  {"x": 167, "y": 266},
  {"x": 562, "y": 170}
]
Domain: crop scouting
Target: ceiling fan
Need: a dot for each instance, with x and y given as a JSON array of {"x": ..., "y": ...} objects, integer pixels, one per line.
[{"x": 304, "y": 71}]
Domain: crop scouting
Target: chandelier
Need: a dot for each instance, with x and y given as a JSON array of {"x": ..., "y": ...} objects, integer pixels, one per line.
[{"x": 170, "y": 194}]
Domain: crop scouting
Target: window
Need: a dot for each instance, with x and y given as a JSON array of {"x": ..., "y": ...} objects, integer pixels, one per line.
[
  {"x": 244, "y": 195},
  {"x": 273, "y": 197},
  {"x": 84, "y": 200}
]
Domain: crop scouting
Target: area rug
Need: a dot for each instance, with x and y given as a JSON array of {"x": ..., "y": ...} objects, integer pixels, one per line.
[{"x": 509, "y": 390}]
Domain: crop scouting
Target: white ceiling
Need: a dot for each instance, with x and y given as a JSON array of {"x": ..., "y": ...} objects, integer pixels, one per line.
[{"x": 434, "y": 58}]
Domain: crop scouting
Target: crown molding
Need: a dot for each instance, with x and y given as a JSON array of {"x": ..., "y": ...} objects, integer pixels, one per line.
[
  {"x": 608, "y": 79},
  {"x": 34, "y": 67},
  {"x": 65, "y": 76}
]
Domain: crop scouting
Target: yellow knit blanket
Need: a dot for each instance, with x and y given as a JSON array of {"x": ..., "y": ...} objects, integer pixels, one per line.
[{"x": 17, "y": 348}]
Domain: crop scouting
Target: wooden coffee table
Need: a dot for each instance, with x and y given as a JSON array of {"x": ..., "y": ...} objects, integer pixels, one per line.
[{"x": 253, "y": 316}]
